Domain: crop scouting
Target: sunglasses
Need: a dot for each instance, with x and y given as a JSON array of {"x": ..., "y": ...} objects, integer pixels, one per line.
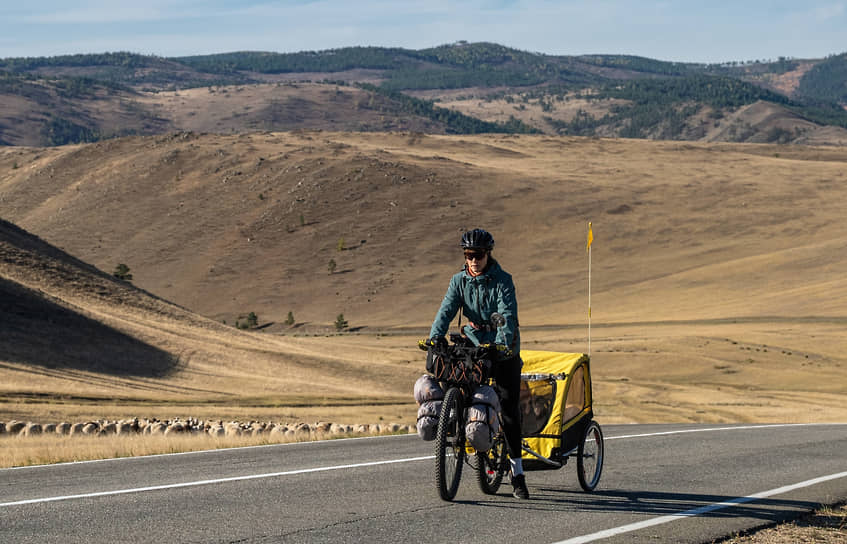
[{"x": 475, "y": 255}]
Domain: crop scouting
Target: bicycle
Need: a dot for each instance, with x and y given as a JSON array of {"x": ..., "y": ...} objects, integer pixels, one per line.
[{"x": 462, "y": 367}]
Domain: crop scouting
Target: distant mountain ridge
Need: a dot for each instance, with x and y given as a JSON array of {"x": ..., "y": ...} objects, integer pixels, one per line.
[{"x": 80, "y": 98}]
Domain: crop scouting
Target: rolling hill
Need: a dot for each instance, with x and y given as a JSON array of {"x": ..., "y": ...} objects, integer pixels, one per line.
[
  {"x": 458, "y": 88},
  {"x": 717, "y": 289},
  {"x": 78, "y": 343}
]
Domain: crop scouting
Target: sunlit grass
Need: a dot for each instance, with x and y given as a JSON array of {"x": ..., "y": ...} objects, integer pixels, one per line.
[{"x": 18, "y": 451}]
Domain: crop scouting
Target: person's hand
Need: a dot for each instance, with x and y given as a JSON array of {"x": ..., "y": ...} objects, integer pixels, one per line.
[
  {"x": 438, "y": 342},
  {"x": 499, "y": 351}
]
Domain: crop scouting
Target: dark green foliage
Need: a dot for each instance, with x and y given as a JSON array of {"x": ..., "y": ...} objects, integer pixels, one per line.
[
  {"x": 456, "y": 122},
  {"x": 122, "y": 272},
  {"x": 659, "y": 107},
  {"x": 826, "y": 81},
  {"x": 639, "y": 64},
  {"x": 251, "y": 321},
  {"x": 712, "y": 90},
  {"x": 290, "y": 319},
  {"x": 122, "y": 69},
  {"x": 332, "y": 60},
  {"x": 340, "y": 322},
  {"x": 128, "y": 60},
  {"x": 60, "y": 131}
]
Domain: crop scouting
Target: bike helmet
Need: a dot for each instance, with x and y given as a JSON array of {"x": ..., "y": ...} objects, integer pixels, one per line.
[{"x": 478, "y": 239}]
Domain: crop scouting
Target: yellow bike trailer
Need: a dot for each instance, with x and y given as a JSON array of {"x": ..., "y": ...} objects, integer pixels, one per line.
[{"x": 556, "y": 414}]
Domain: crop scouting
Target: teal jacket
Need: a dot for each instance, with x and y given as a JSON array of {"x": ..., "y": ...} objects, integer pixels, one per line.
[{"x": 491, "y": 291}]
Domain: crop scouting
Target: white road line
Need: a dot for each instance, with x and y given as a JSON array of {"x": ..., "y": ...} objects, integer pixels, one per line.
[
  {"x": 321, "y": 469},
  {"x": 208, "y": 482},
  {"x": 735, "y": 428},
  {"x": 697, "y": 511}
]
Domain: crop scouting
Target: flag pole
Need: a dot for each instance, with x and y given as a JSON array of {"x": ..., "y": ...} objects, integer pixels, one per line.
[{"x": 588, "y": 248}]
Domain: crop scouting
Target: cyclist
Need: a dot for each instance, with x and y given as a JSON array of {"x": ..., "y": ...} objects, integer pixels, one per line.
[{"x": 480, "y": 289}]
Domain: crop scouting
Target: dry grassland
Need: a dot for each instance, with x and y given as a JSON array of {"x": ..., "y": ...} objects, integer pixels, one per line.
[
  {"x": 829, "y": 524},
  {"x": 718, "y": 292}
]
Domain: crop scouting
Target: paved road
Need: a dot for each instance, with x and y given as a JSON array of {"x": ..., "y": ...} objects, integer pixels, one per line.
[{"x": 661, "y": 483}]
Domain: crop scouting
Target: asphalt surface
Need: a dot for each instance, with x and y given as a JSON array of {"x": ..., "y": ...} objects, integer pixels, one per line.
[{"x": 660, "y": 483}]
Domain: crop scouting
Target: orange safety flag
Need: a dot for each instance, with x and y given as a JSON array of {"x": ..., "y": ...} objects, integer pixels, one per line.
[{"x": 590, "y": 238}]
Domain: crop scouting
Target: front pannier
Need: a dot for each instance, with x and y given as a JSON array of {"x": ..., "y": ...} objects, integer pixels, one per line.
[
  {"x": 428, "y": 395},
  {"x": 482, "y": 421}
]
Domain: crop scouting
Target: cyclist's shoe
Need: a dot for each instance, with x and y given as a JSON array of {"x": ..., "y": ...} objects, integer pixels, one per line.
[{"x": 519, "y": 487}]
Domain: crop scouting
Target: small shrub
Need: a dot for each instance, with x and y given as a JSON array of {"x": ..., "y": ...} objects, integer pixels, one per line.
[
  {"x": 340, "y": 246},
  {"x": 251, "y": 321},
  {"x": 331, "y": 266},
  {"x": 290, "y": 319},
  {"x": 302, "y": 220},
  {"x": 122, "y": 272},
  {"x": 340, "y": 322}
]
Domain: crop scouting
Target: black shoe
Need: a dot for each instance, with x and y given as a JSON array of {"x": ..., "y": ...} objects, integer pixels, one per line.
[{"x": 519, "y": 487}]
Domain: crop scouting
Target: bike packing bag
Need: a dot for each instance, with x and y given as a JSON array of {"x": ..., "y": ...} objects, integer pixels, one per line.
[
  {"x": 427, "y": 388},
  {"x": 482, "y": 422},
  {"x": 428, "y": 419}
]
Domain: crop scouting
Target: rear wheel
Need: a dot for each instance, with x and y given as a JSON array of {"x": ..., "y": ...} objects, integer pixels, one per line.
[
  {"x": 491, "y": 466},
  {"x": 449, "y": 445},
  {"x": 589, "y": 461}
]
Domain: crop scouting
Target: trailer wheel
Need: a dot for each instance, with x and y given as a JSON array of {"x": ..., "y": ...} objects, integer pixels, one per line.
[{"x": 589, "y": 461}]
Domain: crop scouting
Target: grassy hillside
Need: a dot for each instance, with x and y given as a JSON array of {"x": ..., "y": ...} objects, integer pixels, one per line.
[
  {"x": 716, "y": 291},
  {"x": 79, "y": 343}
]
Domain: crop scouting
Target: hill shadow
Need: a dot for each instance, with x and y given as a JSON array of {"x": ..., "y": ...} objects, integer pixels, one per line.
[{"x": 40, "y": 332}]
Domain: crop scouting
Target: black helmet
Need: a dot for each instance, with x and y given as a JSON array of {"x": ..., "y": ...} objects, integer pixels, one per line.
[{"x": 478, "y": 239}]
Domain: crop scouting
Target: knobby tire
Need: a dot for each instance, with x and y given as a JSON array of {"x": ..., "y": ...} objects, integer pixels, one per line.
[
  {"x": 450, "y": 445},
  {"x": 491, "y": 466}
]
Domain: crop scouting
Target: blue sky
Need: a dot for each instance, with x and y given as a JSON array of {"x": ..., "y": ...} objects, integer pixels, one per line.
[{"x": 694, "y": 31}]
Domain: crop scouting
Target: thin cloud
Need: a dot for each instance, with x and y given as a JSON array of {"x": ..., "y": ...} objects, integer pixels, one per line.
[{"x": 832, "y": 11}]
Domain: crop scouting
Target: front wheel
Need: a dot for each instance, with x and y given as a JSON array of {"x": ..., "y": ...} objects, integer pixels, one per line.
[
  {"x": 449, "y": 445},
  {"x": 589, "y": 461},
  {"x": 491, "y": 466}
]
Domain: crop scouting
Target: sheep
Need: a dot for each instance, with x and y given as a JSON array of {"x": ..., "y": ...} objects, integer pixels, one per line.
[
  {"x": 108, "y": 428},
  {"x": 31, "y": 429},
  {"x": 15, "y": 427},
  {"x": 91, "y": 428}
]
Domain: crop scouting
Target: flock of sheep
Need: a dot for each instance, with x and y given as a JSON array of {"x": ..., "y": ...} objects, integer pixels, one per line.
[{"x": 297, "y": 431}]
